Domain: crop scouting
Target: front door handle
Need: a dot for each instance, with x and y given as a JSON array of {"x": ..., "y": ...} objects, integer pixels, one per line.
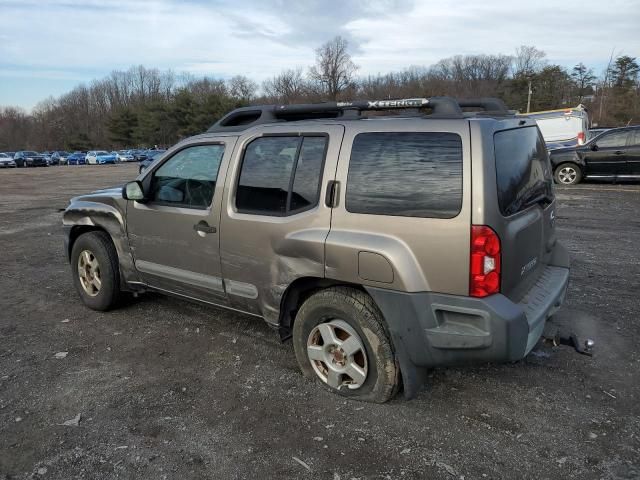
[
  {"x": 203, "y": 228},
  {"x": 618, "y": 152}
]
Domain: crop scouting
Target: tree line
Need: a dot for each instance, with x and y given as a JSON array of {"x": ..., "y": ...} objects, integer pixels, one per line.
[{"x": 146, "y": 106}]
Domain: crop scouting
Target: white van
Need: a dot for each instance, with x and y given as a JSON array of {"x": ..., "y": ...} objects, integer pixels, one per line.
[{"x": 566, "y": 127}]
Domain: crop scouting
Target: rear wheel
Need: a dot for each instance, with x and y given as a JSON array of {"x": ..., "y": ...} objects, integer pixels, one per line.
[
  {"x": 340, "y": 339},
  {"x": 568, "y": 174},
  {"x": 96, "y": 276}
]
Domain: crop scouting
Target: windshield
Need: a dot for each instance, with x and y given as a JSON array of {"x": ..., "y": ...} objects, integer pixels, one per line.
[
  {"x": 31, "y": 153},
  {"x": 523, "y": 171},
  {"x": 102, "y": 152}
]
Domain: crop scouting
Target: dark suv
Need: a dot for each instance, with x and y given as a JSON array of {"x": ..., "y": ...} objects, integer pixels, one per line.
[
  {"x": 382, "y": 246},
  {"x": 612, "y": 155}
]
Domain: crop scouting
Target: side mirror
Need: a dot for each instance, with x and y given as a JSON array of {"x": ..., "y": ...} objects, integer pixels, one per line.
[
  {"x": 133, "y": 191},
  {"x": 594, "y": 147}
]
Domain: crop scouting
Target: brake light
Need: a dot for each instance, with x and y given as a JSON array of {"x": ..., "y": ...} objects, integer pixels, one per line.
[
  {"x": 484, "y": 267},
  {"x": 581, "y": 138}
]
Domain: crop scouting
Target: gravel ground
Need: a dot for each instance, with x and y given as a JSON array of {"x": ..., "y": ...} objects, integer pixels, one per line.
[{"x": 169, "y": 389}]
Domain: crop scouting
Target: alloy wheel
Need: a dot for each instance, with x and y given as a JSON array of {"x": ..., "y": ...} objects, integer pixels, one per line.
[
  {"x": 567, "y": 175},
  {"x": 89, "y": 273},
  {"x": 337, "y": 355}
]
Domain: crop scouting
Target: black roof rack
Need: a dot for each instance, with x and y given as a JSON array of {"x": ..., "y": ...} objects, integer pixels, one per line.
[{"x": 444, "y": 107}]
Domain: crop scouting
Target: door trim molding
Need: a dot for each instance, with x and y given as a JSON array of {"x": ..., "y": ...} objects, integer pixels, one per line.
[{"x": 177, "y": 274}]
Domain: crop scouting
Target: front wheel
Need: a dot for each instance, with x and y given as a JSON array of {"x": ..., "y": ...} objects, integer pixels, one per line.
[
  {"x": 568, "y": 174},
  {"x": 94, "y": 265},
  {"x": 340, "y": 339}
]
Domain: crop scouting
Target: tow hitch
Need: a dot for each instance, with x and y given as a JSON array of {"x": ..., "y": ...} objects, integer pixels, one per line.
[{"x": 584, "y": 348}]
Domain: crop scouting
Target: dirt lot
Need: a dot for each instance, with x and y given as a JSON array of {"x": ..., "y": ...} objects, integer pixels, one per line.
[{"x": 169, "y": 389}]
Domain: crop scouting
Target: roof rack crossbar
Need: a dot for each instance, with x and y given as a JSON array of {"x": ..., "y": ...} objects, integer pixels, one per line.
[{"x": 245, "y": 117}]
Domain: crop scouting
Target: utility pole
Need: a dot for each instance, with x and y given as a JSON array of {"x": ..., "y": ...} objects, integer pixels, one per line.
[{"x": 529, "y": 98}]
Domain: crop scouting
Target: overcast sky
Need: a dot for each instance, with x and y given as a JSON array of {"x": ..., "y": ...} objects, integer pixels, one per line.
[{"x": 48, "y": 46}]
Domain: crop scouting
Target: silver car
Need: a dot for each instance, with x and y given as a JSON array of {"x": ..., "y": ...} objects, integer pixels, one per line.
[{"x": 6, "y": 161}]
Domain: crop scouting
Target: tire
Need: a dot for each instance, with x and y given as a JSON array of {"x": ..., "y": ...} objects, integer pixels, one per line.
[
  {"x": 568, "y": 174},
  {"x": 100, "y": 248},
  {"x": 347, "y": 312}
]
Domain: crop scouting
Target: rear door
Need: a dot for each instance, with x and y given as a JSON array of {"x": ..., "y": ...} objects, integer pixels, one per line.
[
  {"x": 526, "y": 220},
  {"x": 607, "y": 156},
  {"x": 633, "y": 154},
  {"x": 274, "y": 221}
]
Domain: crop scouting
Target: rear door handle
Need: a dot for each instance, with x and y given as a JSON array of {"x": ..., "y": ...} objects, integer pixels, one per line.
[
  {"x": 332, "y": 194},
  {"x": 618, "y": 152},
  {"x": 203, "y": 227}
]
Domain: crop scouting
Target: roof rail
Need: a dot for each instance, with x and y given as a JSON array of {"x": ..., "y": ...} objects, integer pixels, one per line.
[{"x": 245, "y": 117}]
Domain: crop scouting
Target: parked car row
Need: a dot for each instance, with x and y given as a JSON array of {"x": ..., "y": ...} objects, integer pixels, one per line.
[{"x": 29, "y": 158}]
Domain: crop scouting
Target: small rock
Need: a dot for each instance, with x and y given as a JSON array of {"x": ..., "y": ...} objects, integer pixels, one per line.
[
  {"x": 66, "y": 320},
  {"x": 360, "y": 439},
  {"x": 184, "y": 389},
  {"x": 61, "y": 355},
  {"x": 405, "y": 451},
  {"x": 593, "y": 436},
  {"x": 318, "y": 439},
  {"x": 331, "y": 425},
  {"x": 561, "y": 461},
  {"x": 198, "y": 330},
  {"x": 42, "y": 470},
  {"x": 73, "y": 422},
  {"x": 18, "y": 419}
]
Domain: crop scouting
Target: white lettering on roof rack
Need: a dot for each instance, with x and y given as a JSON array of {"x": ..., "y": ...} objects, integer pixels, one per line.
[{"x": 404, "y": 103}]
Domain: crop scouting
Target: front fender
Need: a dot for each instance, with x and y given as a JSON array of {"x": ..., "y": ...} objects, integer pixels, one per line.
[{"x": 102, "y": 214}]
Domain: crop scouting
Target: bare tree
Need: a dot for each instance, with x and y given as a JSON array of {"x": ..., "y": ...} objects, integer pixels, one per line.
[
  {"x": 287, "y": 87},
  {"x": 334, "y": 71},
  {"x": 242, "y": 88},
  {"x": 528, "y": 61}
]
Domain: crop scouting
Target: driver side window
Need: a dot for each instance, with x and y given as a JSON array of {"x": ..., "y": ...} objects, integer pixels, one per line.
[{"x": 188, "y": 179}]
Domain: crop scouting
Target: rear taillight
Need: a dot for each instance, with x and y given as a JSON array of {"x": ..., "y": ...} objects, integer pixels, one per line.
[
  {"x": 484, "y": 267},
  {"x": 581, "y": 138}
]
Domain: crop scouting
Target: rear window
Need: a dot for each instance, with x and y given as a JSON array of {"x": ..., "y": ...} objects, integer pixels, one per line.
[
  {"x": 523, "y": 172},
  {"x": 409, "y": 174}
]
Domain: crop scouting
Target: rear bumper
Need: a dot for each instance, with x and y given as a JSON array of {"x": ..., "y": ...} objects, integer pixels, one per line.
[{"x": 431, "y": 329}]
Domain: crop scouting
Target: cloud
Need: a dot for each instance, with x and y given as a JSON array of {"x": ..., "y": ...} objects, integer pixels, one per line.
[{"x": 86, "y": 39}]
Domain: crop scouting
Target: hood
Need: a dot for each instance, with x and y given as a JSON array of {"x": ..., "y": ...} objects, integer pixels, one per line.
[
  {"x": 111, "y": 192},
  {"x": 562, "y": 150}
]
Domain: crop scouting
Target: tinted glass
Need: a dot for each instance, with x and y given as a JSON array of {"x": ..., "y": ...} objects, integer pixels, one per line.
[
  {"x": 523, "y": 172},
  {"x": 188, "y": 179},
  {"x": 636, "y": 138},
  {"x": 306, "y": 182},
  {"x": 265, "y": 175},
  {"x": 614, "y": 139},
  {"x": 406, "y": 174}
]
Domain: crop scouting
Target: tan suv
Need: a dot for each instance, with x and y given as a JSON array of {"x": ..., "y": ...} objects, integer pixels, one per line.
[{"x": 382, "y": 245}]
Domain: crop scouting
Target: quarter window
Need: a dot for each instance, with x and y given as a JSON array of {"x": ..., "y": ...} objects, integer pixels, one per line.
[
  {"x": 281, "y": 175},
  {"x": 188, "y": 179},
  {"x": 410, "y": 174}
]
